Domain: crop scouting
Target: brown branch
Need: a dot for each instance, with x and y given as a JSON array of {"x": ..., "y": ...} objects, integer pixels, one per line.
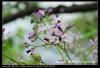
[{"x": 56, "y": 10}]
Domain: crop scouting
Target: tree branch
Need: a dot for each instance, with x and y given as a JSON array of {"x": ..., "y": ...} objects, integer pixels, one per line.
[{"x": 56, "y": 10}]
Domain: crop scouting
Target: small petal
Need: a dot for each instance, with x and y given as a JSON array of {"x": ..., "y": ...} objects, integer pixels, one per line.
[
  {"x": 42, "y": 12},
  {"x": 57, "y": 32},
  {"x": 30, "y": 34},
  {"x": 39, "y": 15}
]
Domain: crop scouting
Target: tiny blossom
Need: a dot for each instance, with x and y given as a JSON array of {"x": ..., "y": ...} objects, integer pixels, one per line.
[
  {"x": 32, "y": 36},
  {"x": 26, "y": 45},
  {"x": 57, "y": 32},
  {"x": 40, "y": 13},
  {"x": 30, "y": 50},
  {"x": 31, "y": 33},
  {"x": 51, "y": 39},
  {"x": 46, "y": 40},
  {"x": 60, "y": 25}
]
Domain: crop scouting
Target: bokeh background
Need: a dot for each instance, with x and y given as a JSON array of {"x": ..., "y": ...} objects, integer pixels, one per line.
[{"x": 18, "y": 27}]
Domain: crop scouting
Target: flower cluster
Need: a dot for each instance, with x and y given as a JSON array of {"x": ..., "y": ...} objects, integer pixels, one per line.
[
  {"x": 53, "y": 35},
  {"x": 57, "y": 32},
  {"x": 32, "y": 38},
  {"x": 29, "y": 50}
]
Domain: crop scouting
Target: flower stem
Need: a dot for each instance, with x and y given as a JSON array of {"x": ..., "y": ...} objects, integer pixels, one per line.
[
  {"x": 11, "y": 59},
  {"x": 47, "y": 17},
  {"x": 90, "y": 50},
  {"x": 65, "y": 53},
  {"x": 43, "y": 22},
  {"x": 61, "y": 53}
]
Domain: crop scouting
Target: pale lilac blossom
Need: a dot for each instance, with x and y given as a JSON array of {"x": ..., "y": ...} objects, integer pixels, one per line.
[{"x": 40, "y": 13}]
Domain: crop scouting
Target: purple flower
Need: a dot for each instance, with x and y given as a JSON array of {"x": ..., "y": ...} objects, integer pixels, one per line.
[
  {"x": 40, "y": 13},
  {"x": 57, "y": 32},
  {"x": 59, "y": 28},
  {"x": 32, "y": 36},
  {"x": 60, "y": 25},
  {"x": 30, "y": 51}
]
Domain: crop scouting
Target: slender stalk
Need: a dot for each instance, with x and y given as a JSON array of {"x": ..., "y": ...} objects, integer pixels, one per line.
[
  {"x": 47, "y": 17},
  {"x": 66, "y": 53},
  {"x": 42, "y": 40},
  {"x": 90, "y": 50},
  {"x": 40, "y": 61},
  {"x": 64, "y": 47},
  {"x": 11, "y": 59},
  {"x": 43, "y": 22},
  {"x": 79, "y": 49},
  {"x": 61, "y": 53}
]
